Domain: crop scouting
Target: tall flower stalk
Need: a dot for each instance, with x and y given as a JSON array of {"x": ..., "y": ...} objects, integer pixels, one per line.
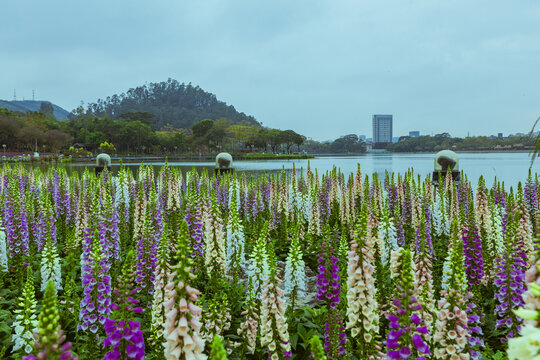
[
  {"x": 182, "y": 316},
  {"x": 214, "y": 240},
  {"x": 50, "y": 340},
  {"x": 3, "y": 249},
  {"x": 407, "y": 334},
  {"x": 274, "y": 331},
  {"x": 295, "y": 274},
  {"x": 96, "y": 281},
  {"x": 362, "y": 306},
  {"x": 26, "y": 322},
  {"x": 451, "y": 339},
  {"x": 510, "y": 283},
  {"x": 249, "y": 328},
  {"x": 235, "y": 232},
  {"x": 258, "y": 270},
  {"x": 526, "y": 346},
  {"x": 328, "y": 292},
  {"x": 124, "y": 335},
  {"x": 50, "y": 266}
]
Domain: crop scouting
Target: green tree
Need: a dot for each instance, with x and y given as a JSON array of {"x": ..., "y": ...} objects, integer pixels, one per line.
[
  {"x": 107, "y": 147},
  {"x": 57, "y": 139},
  {"x": 348, "y": 144},
  {"x": 138, "y": 136},
  {"x": 299, "y": 140},
  {"x": 9, "y": 127},
  {"x": 275, "y": 139},
  {"x": 290, "y": 137},
  {"x": 218, "y": 132},
  {"x": 142, "y": 116},
  {"x": 201, "y": 132},
  {"x": 201, "y": 128},
  {"x": 31, "y": 137},
  {"x": 94, "y": 138}
]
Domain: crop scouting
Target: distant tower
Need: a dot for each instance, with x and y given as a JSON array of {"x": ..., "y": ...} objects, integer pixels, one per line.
[
  {"x": 33, "y": 95},
  {"x": 382, "y": 128},
  {"x": 14, "y": 95}
]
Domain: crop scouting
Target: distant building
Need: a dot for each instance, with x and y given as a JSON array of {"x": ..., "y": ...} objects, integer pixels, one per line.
[
  {"x": 500, "y": 135},
  {"x": 395, "y": 139},
  {"x": 382, "y": 129},
  {"x": 362, "y": 137},
  {"x": 414, "y": 134}
]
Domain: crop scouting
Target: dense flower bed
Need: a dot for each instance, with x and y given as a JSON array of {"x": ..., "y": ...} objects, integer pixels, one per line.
[{"x": 175, "y": 265}]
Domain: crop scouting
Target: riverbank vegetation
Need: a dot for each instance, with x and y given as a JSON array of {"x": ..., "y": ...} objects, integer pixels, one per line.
[
  {"x": 444, "y": 141},
  {"x": 136, "y": 133}
]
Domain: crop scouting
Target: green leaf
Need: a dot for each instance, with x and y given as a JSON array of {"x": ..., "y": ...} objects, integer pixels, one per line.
[
  {"x": 293, "y": 339},
  {"x": 5, "y": 328},
  {"x": 309, "y": 324},
  {"x": 301, "y": 331}
]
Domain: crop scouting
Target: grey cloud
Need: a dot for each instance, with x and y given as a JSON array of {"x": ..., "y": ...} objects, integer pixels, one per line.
[{"x": 319, "y": 67}]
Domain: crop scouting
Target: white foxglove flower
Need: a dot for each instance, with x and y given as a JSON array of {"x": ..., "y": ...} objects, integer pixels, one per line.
[
  {"x": 439, "y": 219},
  {"x": 446, "y": 273},
  {"x": 295, "y": 275},
  {"x": 235, "y": 241},
  {"x": 387, "y": 237},
  {"x": 526, "y": 346},
  {"x": 496, "y": 228},
  {"x": 3, "y": 250},
  {"x": 234, "y": 192},
  {"x": 50, "y": 267},
  {"x": 258, "y": 270},
  {"x": 121, "y": 191}
]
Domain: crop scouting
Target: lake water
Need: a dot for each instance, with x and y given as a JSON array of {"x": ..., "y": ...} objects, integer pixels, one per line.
[{"x": 505, "y": 166}]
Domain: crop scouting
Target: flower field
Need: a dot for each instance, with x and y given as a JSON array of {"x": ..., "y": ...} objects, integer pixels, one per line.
[{"x": 175, "y": 265}]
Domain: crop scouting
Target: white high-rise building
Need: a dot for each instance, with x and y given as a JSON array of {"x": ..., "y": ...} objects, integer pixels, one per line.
[{"x": 382, "y": 128}]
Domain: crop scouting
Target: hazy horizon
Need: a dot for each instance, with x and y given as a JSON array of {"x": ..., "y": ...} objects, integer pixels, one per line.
[{"x": 321, "y": 68}]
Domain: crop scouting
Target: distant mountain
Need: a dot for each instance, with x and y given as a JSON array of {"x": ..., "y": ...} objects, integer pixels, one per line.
[
  {"x": 170, "y": 102},
  {"x": 33, "y": 105}
]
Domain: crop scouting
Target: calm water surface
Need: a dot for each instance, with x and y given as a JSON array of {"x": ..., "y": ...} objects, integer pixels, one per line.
[{"x": 508, "y": 167}]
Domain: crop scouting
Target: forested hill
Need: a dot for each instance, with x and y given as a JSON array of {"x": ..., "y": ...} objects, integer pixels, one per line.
[
  {"x": 33, "y": 105},
  {"x": 170, "y": 102}
]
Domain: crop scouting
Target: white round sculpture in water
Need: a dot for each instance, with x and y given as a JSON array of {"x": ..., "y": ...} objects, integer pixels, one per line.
[
  {"x": 224, "y": 163},
  {"x": 445, "y": 160},
  {"x": 103, "y": 161}
]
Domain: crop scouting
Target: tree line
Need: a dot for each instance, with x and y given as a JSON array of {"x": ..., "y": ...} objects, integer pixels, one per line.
[
  {"x": 347, "y": 144},
  {"x": 33, "y": 131},
  {"x": 444, "y": 141},
  {"x": 138, "y": 133}
]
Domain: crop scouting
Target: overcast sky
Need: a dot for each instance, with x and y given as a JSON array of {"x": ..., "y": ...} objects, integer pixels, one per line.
[{"x": 321, "y": 68}]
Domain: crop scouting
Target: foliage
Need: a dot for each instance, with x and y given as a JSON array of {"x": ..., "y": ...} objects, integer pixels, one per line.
[
  {"x": 350, "y": 143},
  {"x": 169, "y": 102},
  {"x": 107, "y": 147},
  {"x": 445, "y": 141},
  {"x": 31, "y": 132}
]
